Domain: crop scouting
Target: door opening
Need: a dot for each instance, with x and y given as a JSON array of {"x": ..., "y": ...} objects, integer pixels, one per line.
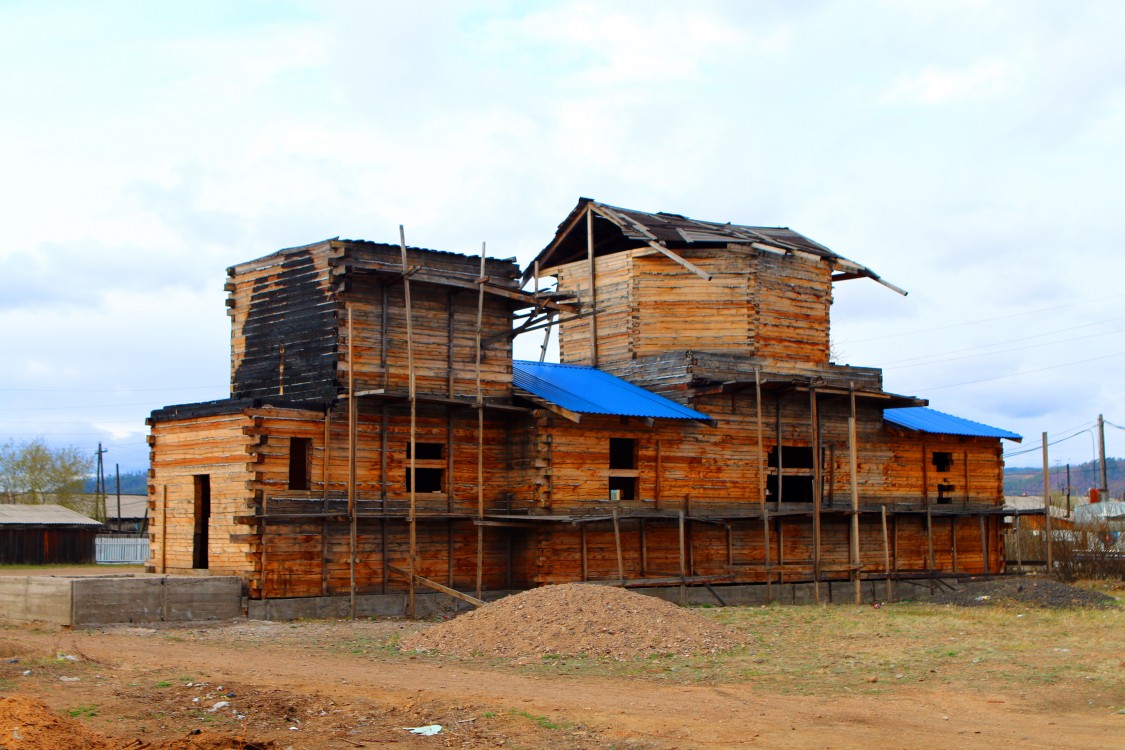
[{"x": 202, "y": 521}]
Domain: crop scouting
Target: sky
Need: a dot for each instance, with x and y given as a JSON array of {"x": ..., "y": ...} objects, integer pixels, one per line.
[{"x": 969, "y": 152}]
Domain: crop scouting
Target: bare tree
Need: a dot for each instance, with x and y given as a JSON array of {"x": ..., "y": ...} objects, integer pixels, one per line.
[{"x": 32, "y": 470}]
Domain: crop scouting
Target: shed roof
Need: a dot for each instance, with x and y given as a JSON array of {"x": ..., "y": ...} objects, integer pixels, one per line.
[
  {"x": 42, "y": 515},
  {"x": 588, "y": 390},
  {"x": 922, "y": 419}
]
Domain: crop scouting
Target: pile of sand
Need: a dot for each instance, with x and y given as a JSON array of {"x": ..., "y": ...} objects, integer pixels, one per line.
[
  {"x": 26, "y": 724},
  {"x": 575, "y": 619}
]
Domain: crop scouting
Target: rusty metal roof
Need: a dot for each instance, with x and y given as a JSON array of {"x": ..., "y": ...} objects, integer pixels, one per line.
[
  {"x": 921, "y": 419},
  {"x": 42, "y": 515},
  {"x": 617, "y": 229}
]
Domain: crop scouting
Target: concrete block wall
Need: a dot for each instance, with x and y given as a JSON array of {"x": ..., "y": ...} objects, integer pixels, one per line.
[{"x": 105, "y": 600}]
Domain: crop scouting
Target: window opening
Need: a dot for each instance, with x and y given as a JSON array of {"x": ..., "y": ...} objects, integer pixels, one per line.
[
  {"x": 300, "y": 453},
  {"x": 945, "y": 493},
  {"x": 427, "y": 451},
  {"x": 427, "y": 479},
  {"x": 792, "y": 457},
  {"x": 794, "y": 489},
  {"x": 942, "y": 461},
  {"x": 429, "y": 467},
  {"x": 622, "y": 469}
]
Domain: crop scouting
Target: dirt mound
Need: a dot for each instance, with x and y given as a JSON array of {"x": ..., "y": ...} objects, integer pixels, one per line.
[
  {"x": 1037, "y": 592},
  {"x": 27, "y": 724},
  {"x": 575, "y": 619}
]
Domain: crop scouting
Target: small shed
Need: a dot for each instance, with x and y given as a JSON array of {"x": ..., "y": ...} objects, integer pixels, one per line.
[{"x": 46, "y": 534}]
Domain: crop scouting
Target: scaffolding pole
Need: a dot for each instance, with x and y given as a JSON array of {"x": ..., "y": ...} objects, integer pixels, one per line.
[
  {"x": 480, "y": 427},
  {"x": 412, "y": 517}
]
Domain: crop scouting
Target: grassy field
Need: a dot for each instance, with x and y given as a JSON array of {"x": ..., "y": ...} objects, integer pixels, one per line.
[{"x": 1001, "y": 649}]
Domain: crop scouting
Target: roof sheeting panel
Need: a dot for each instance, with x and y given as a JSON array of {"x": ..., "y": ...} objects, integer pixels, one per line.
[
  {"x": 922, "y": 419},
  {"x": 42, "y": 515},
  {"x": 588, "y": 390}
]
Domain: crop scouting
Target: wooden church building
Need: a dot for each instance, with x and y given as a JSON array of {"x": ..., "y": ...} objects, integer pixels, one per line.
[{"x": 379, "y": 435}]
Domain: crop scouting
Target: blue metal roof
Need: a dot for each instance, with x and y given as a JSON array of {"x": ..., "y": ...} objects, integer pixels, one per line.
[
  {"x": 930, "y": 420},
  {"x": 588, "y": 390}
]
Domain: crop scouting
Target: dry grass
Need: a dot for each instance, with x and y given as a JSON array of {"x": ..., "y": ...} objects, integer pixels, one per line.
[{"x": 828, "y": 650}]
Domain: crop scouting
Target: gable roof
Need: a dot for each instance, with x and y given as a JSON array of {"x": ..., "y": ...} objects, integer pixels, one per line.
[
  {"x": 588, "y": 390},
  {"x": 616, "y": 229},
  {"x": 922, "y": 419},
  {"x": 42, "y": 515}
]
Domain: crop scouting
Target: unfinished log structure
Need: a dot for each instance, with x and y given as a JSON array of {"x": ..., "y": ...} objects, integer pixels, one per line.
[{"x": 379, "y": 435}]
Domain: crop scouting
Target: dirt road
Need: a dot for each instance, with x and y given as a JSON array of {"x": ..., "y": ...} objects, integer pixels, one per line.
[{"x": 134, "y": 682}]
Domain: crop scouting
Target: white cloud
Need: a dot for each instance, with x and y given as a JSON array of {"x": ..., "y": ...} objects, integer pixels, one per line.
[{"x": 983, "y": 81}]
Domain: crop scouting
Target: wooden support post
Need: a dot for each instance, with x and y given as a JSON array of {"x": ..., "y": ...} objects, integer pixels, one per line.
[
  {"x": 585, "y": 563},
  {"x": 855, "y": 561},
  {"x": 659, "y": 476},
  {"x": 780, "y": 462},
  {"x": 617, "y": 541},
  {"x": 412, "y": 518},
  {"x": 953, "y": 541},
  {"x": 164, "y": 530},
  {"x": 1019, "y": 551},
  {"x": 886, "y": 551},
  {"x": 930, "y": 563},
  {"x": 644, "y": 547},
  {"x": 593, "y": 289},
  {"x": 480, "y": 428},
  {"x": 262, "y": 554},
  {"x": 762, "y": 480},
  {"x": 683, "y": 560},
  {"x": 352, "y": 418},
  {"x": 984, "y": 543},
  {"x": 816, "y": 490},
  {"x": 324, "y": 546}
]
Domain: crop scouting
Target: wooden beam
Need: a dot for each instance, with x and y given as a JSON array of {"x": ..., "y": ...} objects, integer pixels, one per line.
[
  {"x": 855, "y": 499},
  {"x": 352, "y": 414},
  {"x": 815, "y": 428},
  {"x": 593, "y": 288},
  {"x": 886, "y": 551},
  {"x": 617, "y": 541},
  {"x": 411, "y": 518},
  {"x": 480, "y": 430},
  {"x": 439, "y": 587},
  {"x": 762, "y": 478}
]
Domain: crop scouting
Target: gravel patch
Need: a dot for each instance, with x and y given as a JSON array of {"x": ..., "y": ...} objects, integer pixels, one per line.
[
  {"x": 576, "y": 619},
  {"x": 1038, "y": 592}
]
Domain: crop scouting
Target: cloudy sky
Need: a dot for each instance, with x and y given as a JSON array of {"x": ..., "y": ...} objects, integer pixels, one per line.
[{"x": 970, "y": 152}]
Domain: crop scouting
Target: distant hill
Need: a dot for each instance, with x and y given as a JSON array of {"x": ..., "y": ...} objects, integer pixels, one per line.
[
  {"x": 1020, "y": 481},
  {"x": 132, "y": 483}
]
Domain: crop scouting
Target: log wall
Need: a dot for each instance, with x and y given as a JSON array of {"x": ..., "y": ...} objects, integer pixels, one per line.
[
  {"x": 216, "y": 447},
  {"x": 775, "y": 307}
]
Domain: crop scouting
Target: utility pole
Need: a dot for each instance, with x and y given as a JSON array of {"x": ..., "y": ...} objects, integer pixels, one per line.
[
  {"x": 117, "y": 470},
  {"x": 1068, "y": 490},
  {"x": 1047, "y": 507},
  {"x": 99, "y": 486},
  {"x": 1103, "y": 488}
]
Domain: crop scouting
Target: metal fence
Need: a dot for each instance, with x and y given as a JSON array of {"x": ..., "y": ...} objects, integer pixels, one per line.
[{"x": 128, "y": 550}]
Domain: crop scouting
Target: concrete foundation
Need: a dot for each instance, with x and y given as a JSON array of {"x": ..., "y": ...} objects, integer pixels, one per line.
[
  {"x": 432, "y": 604},
  {"x": 104, "y": 600}
]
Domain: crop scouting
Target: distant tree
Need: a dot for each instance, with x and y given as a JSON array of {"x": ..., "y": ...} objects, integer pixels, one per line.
[{"x": 32, "y": 470}]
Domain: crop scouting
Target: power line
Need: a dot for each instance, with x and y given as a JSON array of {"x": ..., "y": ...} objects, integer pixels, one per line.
[
  {"x": 985, "y": 320},
  {"x": 1018, "y": 372},
  {"x": 929, "y": 359}
]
